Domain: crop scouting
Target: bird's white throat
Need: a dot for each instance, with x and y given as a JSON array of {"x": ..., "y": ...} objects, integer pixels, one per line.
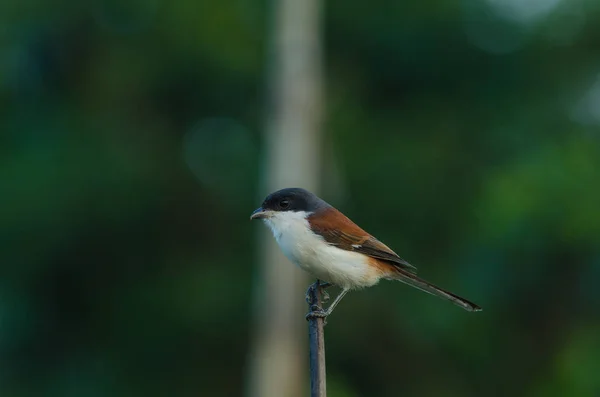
[{"x": 291, "y": 228}]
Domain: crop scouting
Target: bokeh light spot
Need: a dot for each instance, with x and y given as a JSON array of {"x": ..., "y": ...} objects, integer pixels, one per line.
[
  {"x": 587, "y": 110},
  {"x": 523, "y": 11},
  {"x": 489, "y": 32},
  {"x": 221, "y": 154}
]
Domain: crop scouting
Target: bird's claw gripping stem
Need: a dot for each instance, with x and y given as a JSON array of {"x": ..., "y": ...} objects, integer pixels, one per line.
[
  {"x": 315, "y": 310},
  {"x": 324, "y": 293}
]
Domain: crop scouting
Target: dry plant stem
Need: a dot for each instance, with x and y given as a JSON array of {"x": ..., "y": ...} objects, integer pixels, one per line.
[{"x": 317, "y": 343}]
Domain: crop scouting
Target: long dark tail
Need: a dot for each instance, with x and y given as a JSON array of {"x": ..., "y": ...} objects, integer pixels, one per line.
[{"x": 419, "y": 283}]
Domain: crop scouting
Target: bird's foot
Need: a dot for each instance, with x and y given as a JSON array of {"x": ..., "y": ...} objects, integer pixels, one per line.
[
  {"x": 317, "y": 312},
  {"x": 308, "y": 294},
  {"x": 324, "y": 296}
]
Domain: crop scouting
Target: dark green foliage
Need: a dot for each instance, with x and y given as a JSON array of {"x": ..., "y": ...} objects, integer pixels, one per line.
[{"x": 130, "y": 151}]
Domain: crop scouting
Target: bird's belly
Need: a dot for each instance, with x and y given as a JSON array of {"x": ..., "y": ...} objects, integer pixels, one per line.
[{"x": 340, "y": 267}]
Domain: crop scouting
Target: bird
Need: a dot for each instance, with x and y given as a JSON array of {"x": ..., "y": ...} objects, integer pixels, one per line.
[{"x": 325, "y": 243}]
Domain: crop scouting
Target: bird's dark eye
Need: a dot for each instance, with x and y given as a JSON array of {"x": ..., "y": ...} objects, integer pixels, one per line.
[{"x": 283, "y": 204}]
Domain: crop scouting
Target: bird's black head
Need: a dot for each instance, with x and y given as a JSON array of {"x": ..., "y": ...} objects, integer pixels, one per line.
[{"x": 290, "y": 199}]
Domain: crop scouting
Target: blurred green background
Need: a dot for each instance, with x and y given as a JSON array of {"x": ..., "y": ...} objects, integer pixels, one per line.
[{"x": 466, "y": 136}]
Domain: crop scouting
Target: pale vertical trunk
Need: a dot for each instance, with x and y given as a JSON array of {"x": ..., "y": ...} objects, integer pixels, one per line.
[{"x": 279, "y": 361}]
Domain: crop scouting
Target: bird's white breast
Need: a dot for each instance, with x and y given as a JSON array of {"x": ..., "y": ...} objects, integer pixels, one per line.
[{"x": 311, "y": 253}]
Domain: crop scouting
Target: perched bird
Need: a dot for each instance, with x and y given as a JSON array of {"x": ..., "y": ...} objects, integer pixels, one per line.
[{"x": 325, "y": 243}]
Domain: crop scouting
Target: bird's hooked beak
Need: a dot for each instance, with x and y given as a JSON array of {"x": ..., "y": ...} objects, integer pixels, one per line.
[{"x": 259, "y": 213}]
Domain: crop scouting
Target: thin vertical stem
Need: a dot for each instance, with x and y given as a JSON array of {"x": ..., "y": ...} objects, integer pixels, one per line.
[{"x": 316, "y": 336}]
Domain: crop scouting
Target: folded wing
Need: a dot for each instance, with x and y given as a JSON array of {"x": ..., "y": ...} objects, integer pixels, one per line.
[{"x": 340, "y": 231}]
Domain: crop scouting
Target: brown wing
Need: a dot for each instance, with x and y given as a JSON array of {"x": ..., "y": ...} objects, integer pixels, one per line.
[{"x": 339, "y": 230}]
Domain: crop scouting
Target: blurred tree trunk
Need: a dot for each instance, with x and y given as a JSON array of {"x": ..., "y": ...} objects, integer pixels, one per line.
[{"x": 279, "y": 361}]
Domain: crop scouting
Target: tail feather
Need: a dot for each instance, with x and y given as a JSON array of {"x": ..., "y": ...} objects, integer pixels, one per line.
[{"x": 419, "y": 283}]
